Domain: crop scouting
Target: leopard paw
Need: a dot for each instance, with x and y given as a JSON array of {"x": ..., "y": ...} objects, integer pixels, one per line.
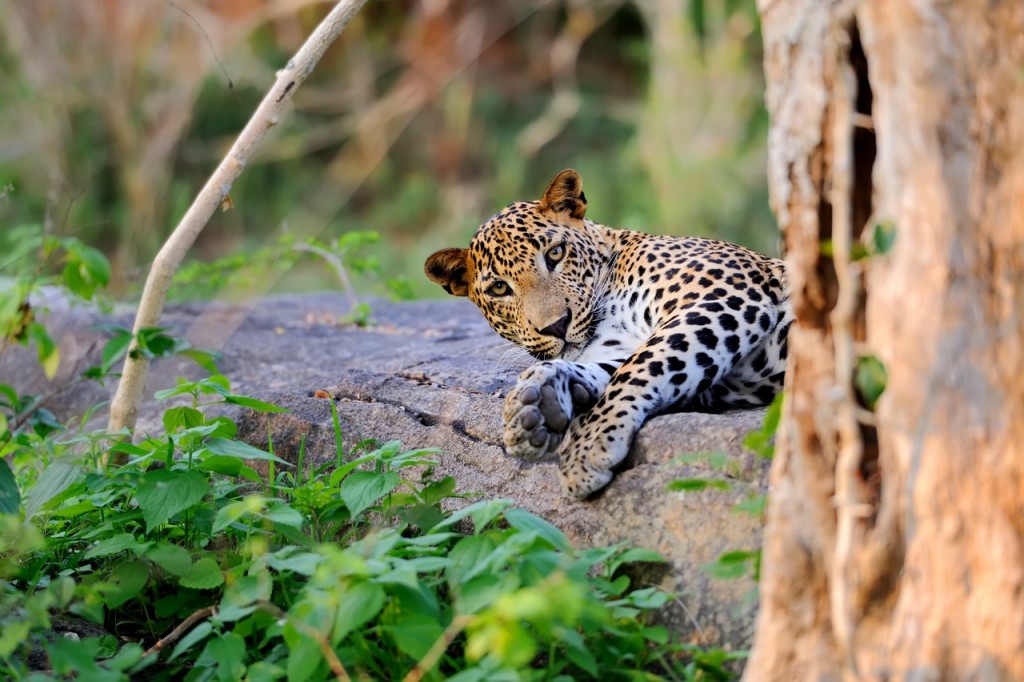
[
  {"x": 539, "y": 409},
  {"x": 582, "y": 481}
]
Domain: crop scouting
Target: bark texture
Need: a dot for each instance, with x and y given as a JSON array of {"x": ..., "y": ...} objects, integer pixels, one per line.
[{"x": 895, "y": 539}]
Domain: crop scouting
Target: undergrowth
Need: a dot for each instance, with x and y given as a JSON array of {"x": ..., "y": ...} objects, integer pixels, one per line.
[{"x": 203, "y": 557}]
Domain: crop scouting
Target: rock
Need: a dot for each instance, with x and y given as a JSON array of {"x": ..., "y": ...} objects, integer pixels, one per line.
[{"x": 433, "y": 374}]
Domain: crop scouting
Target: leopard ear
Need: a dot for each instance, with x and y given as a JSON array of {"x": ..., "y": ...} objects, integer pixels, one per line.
[
  {"x": 565, "y": 194},
  {"x": 449, "y": 268}
]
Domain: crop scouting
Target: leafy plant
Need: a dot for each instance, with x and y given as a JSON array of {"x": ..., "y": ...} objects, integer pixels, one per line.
[
  {"x": 205, "y": 557},
  {"x": 739, "y": 562},
  {"x": 351, "y": 255}
]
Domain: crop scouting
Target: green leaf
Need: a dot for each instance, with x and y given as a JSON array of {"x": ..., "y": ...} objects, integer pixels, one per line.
[
  {"x": 182, "y": 417},
  {"x": 361, "y": 489},
  {"x": 78, "y": 658},
  {"x": 762, "y": 441},
  {"x": 54, "y": 480},
  {"x": 303, "y": 563},
  {"x": 883, "y": 237},
  {"x": 154, "y": 342},
  {"x": 233, "y": 511},
  {"x": 483, "y": 590},
  {"x": 205, "y": 575},
  {"x": 694, "y": 484},
  {"x": 127, "y": 656},
  {"x": 172, "y": 558},
  {"x": 124, "y": 583},
  {"x": 468, "y": 556},
  {"x": 583, "y": 659},
  {"x": 163, "y": 493},
  {"x": 360, "y": 603},
  {"x": 635, "y": 555},
  {"x": 116, "y": 544},
  {"x": 714, "y": 460},
  {"x": 253, "y": 403},
  {"x": 49, "y": 352},
  {"x": 438, "y": 490},
  {"x": 196, "y": 635},
  {"x": 240, "y": 597},
  {"x": 114, "y": 350},
  {"x": 284, "y": 515},
  {"x": 753, "y": 505},
  {"x": 226, "y": 653},
  {"x": 870, "y": 379},
  {"x": 482, "y": 513},
  {"x": 734, "y": 564},
  {"x": 13, "y": 634},
  {"x": 304, "y": 655},
  {"x": 415, "y": 633},
  {"x": 525, "y": 521},
  {"x": 10, "y": 498},
  {"x": 93, "y": 265},
  {"x": 228, "y": 466},
  {"x": 204, "y": 358},
  {"x": 234, "y": 448}
]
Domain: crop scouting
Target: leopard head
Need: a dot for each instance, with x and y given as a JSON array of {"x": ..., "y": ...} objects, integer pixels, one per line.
[{"x": 534, "y": 270}]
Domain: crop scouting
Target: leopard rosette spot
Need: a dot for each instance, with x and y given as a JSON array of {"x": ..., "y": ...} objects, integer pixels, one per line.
[{"x": 626, "y": 325}]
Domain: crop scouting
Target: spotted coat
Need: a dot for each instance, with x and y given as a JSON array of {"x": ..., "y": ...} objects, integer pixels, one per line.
[{"x": 625, "y": 325}]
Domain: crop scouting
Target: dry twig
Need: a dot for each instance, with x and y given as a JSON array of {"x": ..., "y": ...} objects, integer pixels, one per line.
[
  {"x": 333, "y": 662},
  {"x": 185, "y": 625},
  {"x": 124, "y": 409},
  {"x": 438, "y": 648}
]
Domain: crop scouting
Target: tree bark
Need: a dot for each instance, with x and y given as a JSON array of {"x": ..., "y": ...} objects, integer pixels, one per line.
[{"x": 895, "y": 540}]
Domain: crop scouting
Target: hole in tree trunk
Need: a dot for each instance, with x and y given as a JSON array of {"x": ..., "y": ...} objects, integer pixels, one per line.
[{"x": 861, "y": 210}]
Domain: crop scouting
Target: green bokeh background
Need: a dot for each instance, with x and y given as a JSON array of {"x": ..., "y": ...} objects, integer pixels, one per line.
[{"x": 426, "y": 117}]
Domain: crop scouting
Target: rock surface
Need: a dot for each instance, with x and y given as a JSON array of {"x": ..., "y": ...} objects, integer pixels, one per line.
[{"x": 433, "y": 374}]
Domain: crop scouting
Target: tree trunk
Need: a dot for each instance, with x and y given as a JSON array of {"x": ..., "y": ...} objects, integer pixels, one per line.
[{"x": 895, "y": 540}]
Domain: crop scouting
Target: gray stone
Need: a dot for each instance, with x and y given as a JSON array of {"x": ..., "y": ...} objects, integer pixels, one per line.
[{"x": 433, "y": 374}]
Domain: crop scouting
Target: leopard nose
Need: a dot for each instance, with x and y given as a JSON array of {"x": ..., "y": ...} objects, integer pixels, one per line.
[{"x": 559, "y": 329}]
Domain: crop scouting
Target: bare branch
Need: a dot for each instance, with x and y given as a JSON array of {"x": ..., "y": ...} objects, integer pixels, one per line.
[
  {"x": 182, "y": 628},
  {"x": 124, "y": 409},
  {"x": 333, "y": 662}
]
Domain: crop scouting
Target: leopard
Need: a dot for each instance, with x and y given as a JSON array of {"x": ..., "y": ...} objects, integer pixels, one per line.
[{"x": 623, "y": 326}]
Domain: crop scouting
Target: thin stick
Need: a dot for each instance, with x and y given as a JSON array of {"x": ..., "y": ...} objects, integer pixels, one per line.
[
  {"x": 182, "y": 628},
  {"x": 339, "y": 270},
  {"x": 333, "y": 662},
  {"x": 438, "y": 648},
  {"x": 125, "y": 407}
]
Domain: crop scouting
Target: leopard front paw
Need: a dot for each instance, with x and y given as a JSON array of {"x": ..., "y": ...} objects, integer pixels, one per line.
[
  {"x": 583, "y": 480},
  {"x": 535, "y": 418},
  {"x": 593, "y": 450},
  {"x": 539, "y": 409}
]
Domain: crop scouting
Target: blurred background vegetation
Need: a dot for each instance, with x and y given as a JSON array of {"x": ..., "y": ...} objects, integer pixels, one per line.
[{"x": 426, "y": 117}]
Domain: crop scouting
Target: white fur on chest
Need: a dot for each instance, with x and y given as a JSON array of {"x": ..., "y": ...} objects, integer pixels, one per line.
[{"x": 623, "y": 329}]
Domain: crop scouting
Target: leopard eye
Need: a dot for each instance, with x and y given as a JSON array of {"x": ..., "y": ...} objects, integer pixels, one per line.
[
  {"x": 555, "y": 254},
  {"x": 499, "y": 288}
]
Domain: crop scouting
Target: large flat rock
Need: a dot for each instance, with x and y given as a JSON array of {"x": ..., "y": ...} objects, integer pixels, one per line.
[{"x": 433, "y": 374}]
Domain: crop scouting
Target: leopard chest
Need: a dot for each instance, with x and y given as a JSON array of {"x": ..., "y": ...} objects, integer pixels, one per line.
[{"x": 626, "y": 320}]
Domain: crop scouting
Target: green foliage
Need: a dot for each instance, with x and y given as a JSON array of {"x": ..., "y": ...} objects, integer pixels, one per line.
[
  {"x": 736, "y": 563},
  {"x": 883, "y": 236},
  {"x": 762, "y": 441},
  {"x": 340, "y": 565},
  {"x": 280, "y": 572},
  {"x": 352, "y": 255},
  {"x": 878, "y": 242},
  {"x": 32, "y": 261},
  {"x": 870, "y": 378}
]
